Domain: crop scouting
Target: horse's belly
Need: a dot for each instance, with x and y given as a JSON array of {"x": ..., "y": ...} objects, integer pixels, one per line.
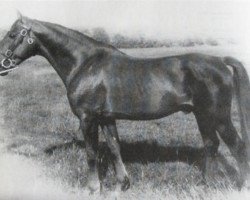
[
  {"x": 140, "y": 115},
  {"x": 143, "y": 107}
]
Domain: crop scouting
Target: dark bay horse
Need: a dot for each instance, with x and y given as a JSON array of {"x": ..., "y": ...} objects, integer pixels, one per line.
[{"x": 104, "y": 85}]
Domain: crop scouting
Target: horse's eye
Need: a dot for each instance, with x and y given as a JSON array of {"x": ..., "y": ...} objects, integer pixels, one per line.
[{"x": 12, "y": 35}]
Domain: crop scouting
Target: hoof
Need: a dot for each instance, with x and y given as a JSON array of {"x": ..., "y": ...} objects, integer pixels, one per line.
[
  {"x": 243, "y": 181},
  {"x": 94, "y": 187},
  {"x": 239, "y": 185},
  {"x": 125, "y": 184},
  {"x": 93, "y": 191},
  {"x": 202, "y": 182},
  {"x": 246, "y": 184}
]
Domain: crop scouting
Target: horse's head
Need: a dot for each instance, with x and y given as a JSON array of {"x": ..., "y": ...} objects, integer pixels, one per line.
[{"x": 17, "y": 45}]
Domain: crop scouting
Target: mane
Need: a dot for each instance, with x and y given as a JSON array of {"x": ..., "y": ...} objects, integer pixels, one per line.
[{"x": 74, "y": 34}]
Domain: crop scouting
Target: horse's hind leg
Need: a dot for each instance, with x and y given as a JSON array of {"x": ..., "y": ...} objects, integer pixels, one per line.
[
  {"x": 236, "y": 146},
  {"x": 111, "y": 135},
  {"x": 210, "y": 139}
]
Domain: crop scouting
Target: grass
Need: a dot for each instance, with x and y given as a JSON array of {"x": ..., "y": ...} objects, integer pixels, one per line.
[{"x": 162, "y": 156}]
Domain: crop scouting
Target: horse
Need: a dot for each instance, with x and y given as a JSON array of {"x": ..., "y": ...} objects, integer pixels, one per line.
[{"x": 104, "y": 85}]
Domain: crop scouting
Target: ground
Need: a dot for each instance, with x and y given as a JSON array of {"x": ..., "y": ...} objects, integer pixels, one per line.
[{"x": 41, "y": 158}]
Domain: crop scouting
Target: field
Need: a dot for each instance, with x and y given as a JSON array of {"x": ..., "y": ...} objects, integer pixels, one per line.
[{"x": 162, "y": 156}]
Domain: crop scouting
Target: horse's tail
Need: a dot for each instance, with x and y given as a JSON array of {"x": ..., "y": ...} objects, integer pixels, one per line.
[{"x": 242, "y": 89}]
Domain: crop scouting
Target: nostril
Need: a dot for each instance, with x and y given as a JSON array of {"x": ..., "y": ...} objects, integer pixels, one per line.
[
  {"x": 13, "y": 63},
  {"x": 30, "y": 40}
]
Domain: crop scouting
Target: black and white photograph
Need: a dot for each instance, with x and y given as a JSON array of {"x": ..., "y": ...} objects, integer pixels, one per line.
[{"x": 124, "y": 100}]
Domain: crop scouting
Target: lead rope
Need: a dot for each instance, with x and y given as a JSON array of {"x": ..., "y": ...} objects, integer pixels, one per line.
[{"x": 8, "y": 70}]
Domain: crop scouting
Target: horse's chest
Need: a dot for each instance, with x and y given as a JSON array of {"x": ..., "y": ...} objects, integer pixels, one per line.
[{"x": 89, "y": 93}]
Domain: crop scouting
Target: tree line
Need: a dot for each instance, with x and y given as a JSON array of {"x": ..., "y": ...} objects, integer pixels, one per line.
[{"x": 121, "y": 41}]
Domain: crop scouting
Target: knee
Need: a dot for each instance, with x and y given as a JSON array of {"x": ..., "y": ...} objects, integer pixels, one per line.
[
  {"x": 228, "y": 134},
  {"x": 211, "y": 148},
  {"x": 242, "y": 150},
  {"x": 85, "y": 120}
]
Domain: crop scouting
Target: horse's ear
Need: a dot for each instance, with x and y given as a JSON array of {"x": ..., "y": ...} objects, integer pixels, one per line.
[
  {"x": 22, "y": 18},
  {"x": 19, "y": 15},
  {"x": 25, "y": 21}
]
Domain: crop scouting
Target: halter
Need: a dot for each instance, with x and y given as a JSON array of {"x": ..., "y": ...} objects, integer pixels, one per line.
[{"x": 7, "y": 62}]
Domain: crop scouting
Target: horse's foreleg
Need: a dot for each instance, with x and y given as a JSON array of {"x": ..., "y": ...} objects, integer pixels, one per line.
[
  {"x": 89, "y": 129},
  {"x": 111, "y": 135}
]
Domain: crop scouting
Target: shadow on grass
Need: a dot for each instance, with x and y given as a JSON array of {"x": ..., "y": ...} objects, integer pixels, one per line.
[
  {"x": 141, "y": 152},
  {"x": 145, "y": 152}
]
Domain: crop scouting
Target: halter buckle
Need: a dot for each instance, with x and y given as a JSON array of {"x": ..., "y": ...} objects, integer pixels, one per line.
[
  {"x": 7, "y": 63},
  {"x": 24, "y": 32},
  {"x": 8, "y": 53}
]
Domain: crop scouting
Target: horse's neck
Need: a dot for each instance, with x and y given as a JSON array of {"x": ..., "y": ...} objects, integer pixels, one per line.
[{"x": 64, "y": 52}]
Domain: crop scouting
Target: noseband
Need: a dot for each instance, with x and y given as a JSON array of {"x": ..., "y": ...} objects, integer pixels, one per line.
[{"x": 8, "y": 62}]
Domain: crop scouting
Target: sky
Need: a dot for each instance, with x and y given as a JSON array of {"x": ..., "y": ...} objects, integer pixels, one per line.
[{"x": 152, "y": 19}]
